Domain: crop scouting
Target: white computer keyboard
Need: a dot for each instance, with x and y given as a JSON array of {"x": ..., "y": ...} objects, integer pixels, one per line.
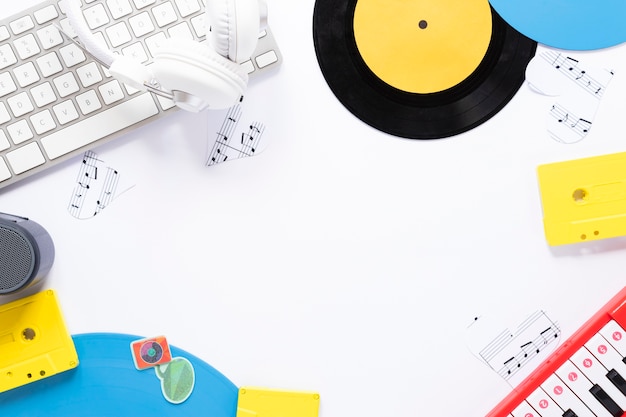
[{"x": 57, "y": 102}]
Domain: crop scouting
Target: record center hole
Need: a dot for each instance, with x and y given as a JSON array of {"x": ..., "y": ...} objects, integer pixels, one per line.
[
  {"x": 28, "y": 334},
  {"x": 423, "y": 24}
]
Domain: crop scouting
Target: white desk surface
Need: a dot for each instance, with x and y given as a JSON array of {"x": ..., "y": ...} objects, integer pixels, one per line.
[{"x": 340, "y": 260}]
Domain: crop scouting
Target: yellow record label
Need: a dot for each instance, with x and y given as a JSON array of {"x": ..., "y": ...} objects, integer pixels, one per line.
[{"x": 422, "y": 46}]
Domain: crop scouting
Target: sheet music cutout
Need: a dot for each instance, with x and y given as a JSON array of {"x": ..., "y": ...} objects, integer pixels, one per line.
[
  {"x": 229, "y": 145},
  {"x": 514, "y": 355},
  {"x": 580, "y": 90},
  {"x": 96, "y": 187}
]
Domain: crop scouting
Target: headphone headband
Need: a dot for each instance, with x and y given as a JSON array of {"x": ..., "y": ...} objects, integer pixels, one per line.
[{"x": 223, "y": 83}]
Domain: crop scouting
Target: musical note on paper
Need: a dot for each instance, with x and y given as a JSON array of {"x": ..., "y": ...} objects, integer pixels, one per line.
[
  {"x": 512, "y": 354},
  {"x": 568, "y": 128},
  {"x": 96, "y": 187},
  {"x": 108, "y": 190},
  {"x": 569, "y": 67},
  {"x": 229, "y": 145},
  {"x": 580, "y": 90}
]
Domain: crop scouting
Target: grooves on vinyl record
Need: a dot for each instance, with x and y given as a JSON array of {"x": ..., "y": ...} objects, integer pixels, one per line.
[{"x": 431, "y": 115}]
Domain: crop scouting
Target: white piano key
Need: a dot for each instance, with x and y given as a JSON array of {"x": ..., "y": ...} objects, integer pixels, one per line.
[
  {"x": 564, "y": 397},
  {"x": 580, "y": 385},
  {"x": 616, "y": 336},
  {"x": 596, "y": 373},
  {"x": 606, "y": 354},
  {"x": 541, "y": 401},
  {"x": 525, "y": 410}
]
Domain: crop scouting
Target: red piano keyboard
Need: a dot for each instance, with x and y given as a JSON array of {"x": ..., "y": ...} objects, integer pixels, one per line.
[{"x": 584, "y": 377}]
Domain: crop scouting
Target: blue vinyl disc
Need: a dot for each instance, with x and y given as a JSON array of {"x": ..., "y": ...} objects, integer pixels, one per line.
[
  {"x": 567, "y": 24},
  {"x": 107, "y": 384}
]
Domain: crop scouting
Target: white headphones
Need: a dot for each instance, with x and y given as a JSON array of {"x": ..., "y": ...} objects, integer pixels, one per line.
[{"x": 194, "y": 75}]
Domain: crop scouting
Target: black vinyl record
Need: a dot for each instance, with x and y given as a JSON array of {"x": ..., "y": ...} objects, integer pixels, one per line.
[{"x": 449, "y": 112}]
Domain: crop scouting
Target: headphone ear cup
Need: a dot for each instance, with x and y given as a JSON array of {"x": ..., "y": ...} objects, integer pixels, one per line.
[
  {"x": 233, "y": 27},
  {"x": 192, "y": 68}
]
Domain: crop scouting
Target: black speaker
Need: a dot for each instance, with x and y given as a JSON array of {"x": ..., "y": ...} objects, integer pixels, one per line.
[{"x": 26, "y": 254}]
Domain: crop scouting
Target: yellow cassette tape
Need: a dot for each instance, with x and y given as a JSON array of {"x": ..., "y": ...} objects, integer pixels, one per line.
[
  {"x": 584, "y": 199},
  {"x": 34, "y": 341},
  {"x": 262, "y": 402}
]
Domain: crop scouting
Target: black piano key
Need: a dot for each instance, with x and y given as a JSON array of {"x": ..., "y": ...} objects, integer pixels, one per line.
[
  {"x": 569, "y": 413},
  {"x": 606, "y": 401},
  {"x": 617, "y": 380}
]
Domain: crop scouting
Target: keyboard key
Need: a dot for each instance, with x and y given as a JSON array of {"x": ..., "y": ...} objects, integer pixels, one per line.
[
  {"x": 136, "y": 51},
  {"x": 4, "y": 33},
  {"x": 248, "y": 66},
  {"x": 96, "y": 16},
  {"x": 89, "y": 74},
  {"x": 26, "y": 46},
  {"x": 7, "y": 85},
  {"x": 25, "y": 158},
  {"x": 111, "y": 92},
  {"x": 65, "y": 112},
  {"x": 118, "y": 34},
  {"x": 49, "y": 64},
  {"x": 4, "y": 141},
  {"x": 66, "y": 84},
  {"x": 46, "y": 14},
  {"x": 199, "y": 25},
  {"x": 4, "y": 114},
  {"x": 88, "y": 102},
  {"x": 43, "y": 94},
  {"x": 21, "y": 25},
  {"x": 545, "y": 405},
  {"x": 20, "y": 132},
  {"x": 187, "y": 7},
  {"x": 20, "y": 104},
  {"x": 564, "y": 397},
  {"x": 165, "y": 103},
  {"x": 26, "y": 74},
  {"x": 617, "y": 380},
  {"x": 7, "y": 57},
  {"x": 616, "y": 336},
  {"x": 49, "y": 37},
  {"x": 606, "y": 354},
  {"x": 67, "y": 27},
  {"x": 164, "y": 14},
  {"x": 596, "y": 373},
  {"x": 181, "y": 31},
  {"x": 5, "y": 174},
  {"x": 580, "y": 385},
  {"x": 155, "y": 41},
  {"x": 99, "y": 125},
  {"x": 72, "y": 55},
  {"x": 43, "y": 122},
  {"x": 140, "y": 4},
  {"x": 119, "y": 8},
  {"x": 141, "y": 24},
  {"x": 266, "y": 59},
  {"x": 606, "y": 401}
]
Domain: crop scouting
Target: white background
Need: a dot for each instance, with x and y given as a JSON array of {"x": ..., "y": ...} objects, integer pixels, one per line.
[{"x": 340, "y": 260}]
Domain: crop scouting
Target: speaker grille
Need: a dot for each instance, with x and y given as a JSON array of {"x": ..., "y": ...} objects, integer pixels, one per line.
[{"x": 16, "y": 260}]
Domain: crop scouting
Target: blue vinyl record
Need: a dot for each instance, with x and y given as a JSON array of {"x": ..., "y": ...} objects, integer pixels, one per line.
[
  {"x": 567, "y": 24},
  {"x": 107, "y": 384}
]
